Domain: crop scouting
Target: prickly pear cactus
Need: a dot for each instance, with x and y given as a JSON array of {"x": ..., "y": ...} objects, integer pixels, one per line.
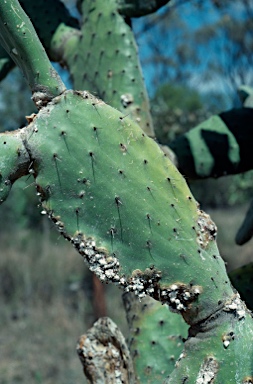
[
  {"x": 111, "y": 192},
  {"x": 97, "y": 216},
  {"x": 134, "y": 230}
]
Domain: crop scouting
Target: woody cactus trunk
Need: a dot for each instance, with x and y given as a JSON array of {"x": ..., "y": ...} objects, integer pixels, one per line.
[{"x": 115, "y": 195}]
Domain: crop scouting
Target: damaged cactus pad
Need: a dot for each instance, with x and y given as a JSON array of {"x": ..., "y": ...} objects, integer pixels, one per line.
[{"x": 124, "y": 206}]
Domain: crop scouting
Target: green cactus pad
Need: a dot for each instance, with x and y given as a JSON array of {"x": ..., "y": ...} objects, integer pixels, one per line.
[
  {"x": 113, "y": 193},
  {"x": 104, "y": 60},
  {"x": 14, "y": 161},
  {"x": 220, "y": 351},
  {"x": 154, "y": 331}
]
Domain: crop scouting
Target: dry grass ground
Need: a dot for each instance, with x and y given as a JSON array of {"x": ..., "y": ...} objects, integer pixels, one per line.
[
  {"x": 45, "y": 307},
  {"x": 45, "y": 303}
]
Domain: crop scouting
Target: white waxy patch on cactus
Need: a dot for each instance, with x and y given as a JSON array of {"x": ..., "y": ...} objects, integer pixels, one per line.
[
  {"x": 106, "y": 266},
  {"x": 180, "y": 296},
  {"x": 208, "y": 371},
  {"x": 143, "y": 283},
  {"x": 126, "y": 99},
  {"x": 226, "y": 343},
  {"x": 227, "y": 338},
  {"x": 181, "y": 356},
  {"x": 248, "y": 380},
  {"x": 207, "y": 230},
  {"x": 236, "y": 306}
]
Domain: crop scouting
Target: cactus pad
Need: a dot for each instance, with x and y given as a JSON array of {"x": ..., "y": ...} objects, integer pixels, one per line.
[
  {"x": 154, "y": 331},
  {"x": 14, "y": 161},
  {"x": 104, "y": 60},
  {"x": 90, "y": 188}
]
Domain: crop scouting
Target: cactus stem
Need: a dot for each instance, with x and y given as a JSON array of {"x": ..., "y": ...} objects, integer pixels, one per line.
[{"x": 20, "y": 40}]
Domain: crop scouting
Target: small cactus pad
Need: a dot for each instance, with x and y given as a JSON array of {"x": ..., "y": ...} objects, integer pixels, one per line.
[
  {"x": 154, "y": 331},
  {"x": 218, "y": 146},
  {"x": 104, "y": 60},
  {"x": 14, "y": 161},
  {"x": 114, "y": 194}
]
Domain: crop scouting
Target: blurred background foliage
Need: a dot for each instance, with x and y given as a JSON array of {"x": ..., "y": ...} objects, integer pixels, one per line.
[{"x": 205, "y": 52}]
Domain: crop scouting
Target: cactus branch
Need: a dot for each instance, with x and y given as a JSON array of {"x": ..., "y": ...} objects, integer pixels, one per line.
[{"x": 20, "y": 40}]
